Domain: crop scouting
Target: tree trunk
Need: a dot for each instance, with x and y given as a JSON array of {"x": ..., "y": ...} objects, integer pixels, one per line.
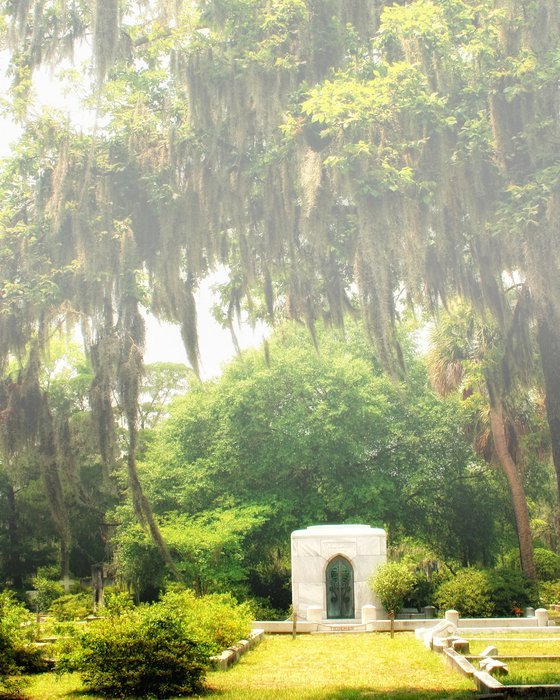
[
  {"x": 516, "y": 488},
  {"x": 548, "y": 338},
  {"x": 14, "y": 560},
  {"x": 50, "y": 473},
  {"x": 142, "y": 506}
]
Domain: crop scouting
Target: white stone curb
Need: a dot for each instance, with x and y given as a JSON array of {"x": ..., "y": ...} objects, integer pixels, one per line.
[{"x": 230, "y": 656}]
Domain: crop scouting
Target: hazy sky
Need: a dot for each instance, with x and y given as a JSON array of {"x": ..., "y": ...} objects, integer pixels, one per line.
[{"x": 164, "y": 344}]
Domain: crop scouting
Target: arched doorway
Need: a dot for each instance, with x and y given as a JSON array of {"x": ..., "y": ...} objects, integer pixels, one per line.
[{"x": 340, "y": 589}]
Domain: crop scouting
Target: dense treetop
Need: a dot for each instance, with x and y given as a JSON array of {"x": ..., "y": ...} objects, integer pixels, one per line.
[{"x": 337, "y": 157}]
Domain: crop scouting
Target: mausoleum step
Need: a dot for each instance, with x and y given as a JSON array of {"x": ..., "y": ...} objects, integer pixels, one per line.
[{"x": 338, "y": 626}]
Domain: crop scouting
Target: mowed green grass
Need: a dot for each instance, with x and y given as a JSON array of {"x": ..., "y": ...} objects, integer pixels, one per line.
[
  {"x": 532, "y": 672},
  {"x": 522, "y": 645},
  {"x": 526, "y": 643},
  {"x": 342, "y": 667},
  {"x": 314, "y": 667},
  {"x": 512, "y": 647}
]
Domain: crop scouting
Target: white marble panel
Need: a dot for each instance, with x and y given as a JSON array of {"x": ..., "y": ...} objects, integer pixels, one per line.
[
  {"x": 372, "y": 544},
  {"x": 308, "y": 547},
  {"x": 365, "y": 566},
  {"x": 331, "y": 547},
  {"x": 308, "y": 569},
  {"x": 309, "y": 594}
]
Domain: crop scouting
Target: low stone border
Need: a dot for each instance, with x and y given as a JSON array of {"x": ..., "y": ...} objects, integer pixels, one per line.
[
  {"x": 231, "y": 656},
  {"x": 459, "y": 663},
  {"x": 485, "y": 683},
  {"x": 464, "y": 625}
]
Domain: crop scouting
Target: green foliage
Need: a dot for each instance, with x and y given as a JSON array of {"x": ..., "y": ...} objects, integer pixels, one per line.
[
  {"x": 139, "y": 652},
  {"x": 264, "y": 610},
  {"x": 116, "y": 602},
  {"x": 428, "y": 570},
  {"x": 17, "y": 655},
  {"x": 45, "y": 593},
  {"x": 217, "y": 621},
  {"x": 509, "y": 591},
  {"x": 161, "y": 382},
  {"x": 208, "y": 549},
  {"x": 431, "y": 126},
  {"x": 485, "y": 593},
  {"x": 468, "y": 592},
  {"x": 306, "y": 438},
  {"x": 393, "y": 583},
  {"x": 547, "y": 564},
  {"x": 549, "y": 592},
  {"x": 74, "y": 606}
]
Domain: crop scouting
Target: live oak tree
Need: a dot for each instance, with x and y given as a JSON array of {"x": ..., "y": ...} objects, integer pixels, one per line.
[
  {"x": 323, "y": 437},
  {"x": 315, "y": 147}
]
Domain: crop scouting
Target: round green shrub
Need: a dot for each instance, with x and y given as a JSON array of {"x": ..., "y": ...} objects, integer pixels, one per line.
[
  {"x": 217, "y": 620},
  {"x": 144, "y": 651},
  {"x": 510, "y": 591},
  {"x": 17, "y": 655},
  {"x": 469, "y": 592},
  {"x": 549, "y": 593},
  {"x": 547, "y": 564},
  {"x": 45, "y": 593},
  {"x": 486, "y": 593},
  {"x": 74, "y": 606},
  {"x": 393, "y": 583}
]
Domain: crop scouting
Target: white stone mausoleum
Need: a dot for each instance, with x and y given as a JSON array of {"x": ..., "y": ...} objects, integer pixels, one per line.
[{"x": 331, "y": 565}]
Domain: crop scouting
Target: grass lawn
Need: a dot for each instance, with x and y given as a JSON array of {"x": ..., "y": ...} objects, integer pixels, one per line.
[
  {"x": 342, "y": 667},
  {"x": 529, "y": 643},
  {"x": 532, "y": 673},
  {"x": 315, "y": 667},
  {"x": 513, "y": 645}
]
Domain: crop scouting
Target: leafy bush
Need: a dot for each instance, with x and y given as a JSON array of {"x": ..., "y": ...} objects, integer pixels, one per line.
[
  {"x": 393, "y": 583},
  {"x": 549, "y": 593},
  {"x": 485, "y": 593},
  {"x": 547, "y": 564},
  {"x": 423, "y": 591},
  {"x": 45, "y": 593},
  {"x": 217, "y": 620},
  {"x": 264, "y": 610},
  {"x": 509, "y": 591},
  {"x": 17, "y": 655},
  {"x": 468, "y": 592},
  {"x": 71, "y": 607},
  {"x": 139, "y": 652},
  {"x": 10, "y": 617},
  {"x": 116, "y": 602}
]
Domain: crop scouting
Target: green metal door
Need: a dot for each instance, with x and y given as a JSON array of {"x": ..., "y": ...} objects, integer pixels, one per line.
[{"x": 340, "y": 589}]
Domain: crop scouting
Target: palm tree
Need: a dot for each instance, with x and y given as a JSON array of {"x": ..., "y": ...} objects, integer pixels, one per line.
[{"x": 467, "y": 353}]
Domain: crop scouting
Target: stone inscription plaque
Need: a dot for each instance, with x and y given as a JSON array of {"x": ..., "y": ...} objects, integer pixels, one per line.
[{"x": 339, "y": 546}]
